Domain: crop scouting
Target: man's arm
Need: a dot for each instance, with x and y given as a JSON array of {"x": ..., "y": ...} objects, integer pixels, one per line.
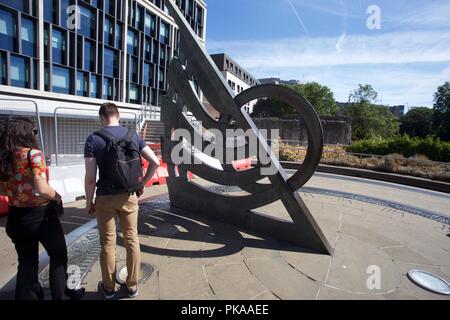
[
  {"x": 153, "y": 165},
  {"x": 89, "y": 183}
]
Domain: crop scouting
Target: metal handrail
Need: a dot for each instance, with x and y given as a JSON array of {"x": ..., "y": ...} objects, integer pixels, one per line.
[
  {"x": 38, "y": 116},
  {"x": 55, "y": 115}
]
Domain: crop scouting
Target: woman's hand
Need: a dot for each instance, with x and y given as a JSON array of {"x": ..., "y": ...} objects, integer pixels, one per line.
[{"x": 57, "y": 198}]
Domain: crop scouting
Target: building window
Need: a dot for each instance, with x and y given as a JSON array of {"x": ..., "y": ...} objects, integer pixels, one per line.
[
  {"x": 89, "y": 56},
  {"x": 34, "y": 74},
  {"x": 118, "y": 36},
  {"x": 133, "y": 69},
  {"x": 82, "y": 84},
  {"x": 65, "y": 22},
  {"x": 94, "y": 86},
  {"x": 148, "y": 75},
  {"x": 148, "y": 48},
  {"x": 149, "y": 24},
  {"x": 59, "y": 44},
  {"x": 28, "y": 37},
  {"x": 109, "y": 6},
  {"x": 132, "y": 42},
  {"x": 190, "y": 8},
  {"x": 164, "y": 33},
  {"x": 108, "y": 34},
  {"x": 2, "y": 68},
  {"x": 87, "y": 22},
  {"x": 16, "y": 4},
  {"x": 134, "y": 94},
  {"x": 162, "y": 79},
  {"x": 111, "y": 63},
  {"x": 107, "y": 88},
  {"x": 155, "y": 50},
  {"x": 8, "y": 30},
  {"x": 200, "y": 14},
  {"x": 46, "y": 43},
  {"x": 139, "y": 17},
  {"x": 49, "y": 10},
  {"x": 162, "y": 56},
  {"x": 61, "y": 80},
  {"x": 20, "y": 72}
]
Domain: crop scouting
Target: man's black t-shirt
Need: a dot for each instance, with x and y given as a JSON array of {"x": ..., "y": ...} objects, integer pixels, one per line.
[{"x": 95, "y": 147}]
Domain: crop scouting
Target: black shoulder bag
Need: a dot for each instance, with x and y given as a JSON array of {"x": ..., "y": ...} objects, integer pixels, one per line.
[{"x": 53, "y": 206}]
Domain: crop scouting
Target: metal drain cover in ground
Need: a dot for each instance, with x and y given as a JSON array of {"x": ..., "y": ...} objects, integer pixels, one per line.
[
  {"x": 145, "y": 273},
  {"x": 429, "y": 282}
]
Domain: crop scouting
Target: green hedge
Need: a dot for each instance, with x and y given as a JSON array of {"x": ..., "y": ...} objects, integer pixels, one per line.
[{"x": 434, "y": 149}]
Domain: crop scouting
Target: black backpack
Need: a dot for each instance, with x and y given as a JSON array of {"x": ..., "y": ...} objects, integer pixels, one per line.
[{"x": 122, "y": 165}]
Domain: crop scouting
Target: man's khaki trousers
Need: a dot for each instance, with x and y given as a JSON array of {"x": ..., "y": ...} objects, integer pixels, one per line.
[{"x": 126, "y": 207}]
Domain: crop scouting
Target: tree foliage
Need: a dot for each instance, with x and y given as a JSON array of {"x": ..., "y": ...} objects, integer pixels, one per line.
[
  {"x": 441, "y": 112},
  {"x": 363, "y": 94},
  {"x": 369, "y": 120},
  {"x": 418, "y": 122},
  {"x": 434, "y": 149},
  {"x": 321, "y": 97}
]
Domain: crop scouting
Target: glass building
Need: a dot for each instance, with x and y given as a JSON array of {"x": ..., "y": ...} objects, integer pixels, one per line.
[{"x": 115, "y": 50}]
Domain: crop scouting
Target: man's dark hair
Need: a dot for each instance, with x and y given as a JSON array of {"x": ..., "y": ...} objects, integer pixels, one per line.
[{"x": 108, "y": 110}]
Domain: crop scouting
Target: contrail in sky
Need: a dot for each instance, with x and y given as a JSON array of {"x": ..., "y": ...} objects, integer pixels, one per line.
[{"x": 299, "y": 19}]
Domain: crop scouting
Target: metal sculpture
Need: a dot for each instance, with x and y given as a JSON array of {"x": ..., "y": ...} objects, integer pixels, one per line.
[{"x": 193, "y": 62}]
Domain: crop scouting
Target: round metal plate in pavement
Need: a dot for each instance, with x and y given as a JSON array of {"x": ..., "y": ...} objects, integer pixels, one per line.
[
  {"x": 145, "y": 273},
  {"x": 429, "y": 282}
]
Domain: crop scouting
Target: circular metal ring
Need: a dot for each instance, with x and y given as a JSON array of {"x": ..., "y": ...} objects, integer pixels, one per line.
[{"x": 310, "y": 119}]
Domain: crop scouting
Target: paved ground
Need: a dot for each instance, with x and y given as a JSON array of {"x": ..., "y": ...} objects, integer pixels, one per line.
[
  {"x": 74, "y": 217},
  {"x": 200, "y": 259}
]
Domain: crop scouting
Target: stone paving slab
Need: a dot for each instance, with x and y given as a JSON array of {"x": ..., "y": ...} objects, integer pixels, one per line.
[
  {"x": 196, "y": 258},
  {"x": 199, "y": 259}
]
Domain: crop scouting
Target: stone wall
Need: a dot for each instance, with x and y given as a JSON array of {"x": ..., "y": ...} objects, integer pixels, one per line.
[{"x": 336, "y": 130}]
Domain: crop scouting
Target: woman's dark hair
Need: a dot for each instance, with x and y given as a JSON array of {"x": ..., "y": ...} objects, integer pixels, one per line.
[{"x": 15, "y": 132}]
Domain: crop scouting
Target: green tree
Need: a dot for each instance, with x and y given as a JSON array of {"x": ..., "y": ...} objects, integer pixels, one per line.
[
  {"x": 441, "y": 112},
  {"x": 418, "y": 122},
  {"x": 271, "y": 108},
  {"x": 364, "y": 94},
  {"x": 369, "y": 120},
  {"x": 321, "y": 97}
]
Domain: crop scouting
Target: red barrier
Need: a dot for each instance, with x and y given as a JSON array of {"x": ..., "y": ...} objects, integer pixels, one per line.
[
  {"x": 160, "y": 177},
  {"x": 242, "y": 165},
  {"x": 4, "y": 205}
]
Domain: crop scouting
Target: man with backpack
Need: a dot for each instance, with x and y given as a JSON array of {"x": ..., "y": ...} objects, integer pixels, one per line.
[{"x": 116, "y": 151}]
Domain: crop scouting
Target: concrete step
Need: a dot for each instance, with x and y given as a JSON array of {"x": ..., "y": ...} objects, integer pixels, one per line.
[{"x": 155, "y": 129}]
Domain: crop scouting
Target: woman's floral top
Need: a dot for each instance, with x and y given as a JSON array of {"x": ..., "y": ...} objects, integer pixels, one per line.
[{"x": 20, "y": 188}]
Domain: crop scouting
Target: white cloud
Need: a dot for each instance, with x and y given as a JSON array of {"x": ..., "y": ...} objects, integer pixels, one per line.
[
  {"x": 331, "y": 7},
  {"x": 388, "y": 48},
  {"x": 434, "y": 15},
  {"x": 405, "y": 67},
  {"x": 340, "y": 42}
]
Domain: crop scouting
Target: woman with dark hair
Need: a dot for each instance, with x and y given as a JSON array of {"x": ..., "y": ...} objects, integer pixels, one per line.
[{"x": 30, "y": 219}]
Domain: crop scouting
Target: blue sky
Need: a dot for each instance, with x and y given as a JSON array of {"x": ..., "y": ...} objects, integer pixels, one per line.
[{"x": 328, "y": 41}]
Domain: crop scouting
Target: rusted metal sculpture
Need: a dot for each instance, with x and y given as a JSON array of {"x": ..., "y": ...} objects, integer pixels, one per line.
[{"x": 193, "y": 62}]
